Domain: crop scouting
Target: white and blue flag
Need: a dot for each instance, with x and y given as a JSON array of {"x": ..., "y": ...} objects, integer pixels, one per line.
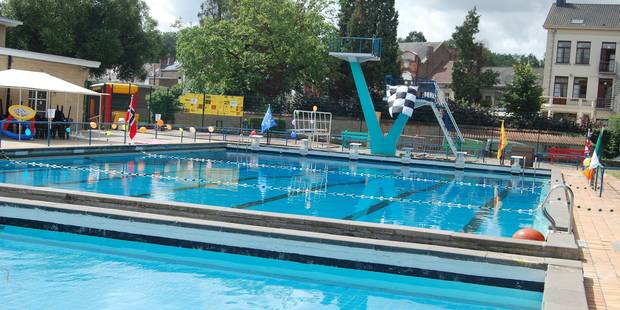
[{"x": 268, "y": 121}]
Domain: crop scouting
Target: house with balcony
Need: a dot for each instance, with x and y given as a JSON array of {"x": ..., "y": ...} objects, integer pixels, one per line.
[{"x": 581, "y": 76}]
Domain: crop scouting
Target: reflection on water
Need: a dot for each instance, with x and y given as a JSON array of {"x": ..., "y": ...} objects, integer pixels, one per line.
[{"x": 477, "y": 202}]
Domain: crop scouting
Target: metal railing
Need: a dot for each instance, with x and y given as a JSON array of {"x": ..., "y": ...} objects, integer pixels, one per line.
[
  {"x": 357, "y": 45},
  {"x": 570, "y": 198},
  {"x": 603, "y": 103}
]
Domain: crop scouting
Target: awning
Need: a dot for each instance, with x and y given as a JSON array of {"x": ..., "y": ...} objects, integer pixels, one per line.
[{"x": 14, "y": 78}]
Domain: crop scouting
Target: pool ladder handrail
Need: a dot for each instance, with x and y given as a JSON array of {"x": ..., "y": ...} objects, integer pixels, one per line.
[{"x": 570, "y": 197}]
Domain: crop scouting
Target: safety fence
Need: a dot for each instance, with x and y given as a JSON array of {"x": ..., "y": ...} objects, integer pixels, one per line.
[{"x": 480, "y": 142}]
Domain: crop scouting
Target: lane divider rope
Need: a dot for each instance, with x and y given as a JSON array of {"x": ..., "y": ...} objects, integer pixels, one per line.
[
  {"x": 257, "y": 186},
  {"x": 345, "y": 173}
]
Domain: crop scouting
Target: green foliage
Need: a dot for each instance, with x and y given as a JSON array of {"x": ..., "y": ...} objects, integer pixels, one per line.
[
  {"x": 165, "y": 101},
  {"x": 214, "y": 10},
  {"x": 508, "y": 60},
  {"x": 413, "y": 36},
  {"x": 612, "y": 133},
  {"x": 265, "y": 48},
  {"x": 169, "y": 45},
  {"x": 614, "y": 123},
  {"x": 369, "y": 18},
  {"x": 523, "y": 96},
  {"x": 118, "y": 33},
  {"x": 467, "y": 78}
]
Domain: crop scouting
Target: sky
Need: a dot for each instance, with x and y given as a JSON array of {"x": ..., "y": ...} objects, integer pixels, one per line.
[{"x": 506, "y": 26}]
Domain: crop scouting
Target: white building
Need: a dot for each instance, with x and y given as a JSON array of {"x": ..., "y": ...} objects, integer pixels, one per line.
[{"x": 581, "y": 78}]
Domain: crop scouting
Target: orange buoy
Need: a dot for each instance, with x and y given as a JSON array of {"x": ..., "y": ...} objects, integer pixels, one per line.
[{"x": 529, "y": 234}]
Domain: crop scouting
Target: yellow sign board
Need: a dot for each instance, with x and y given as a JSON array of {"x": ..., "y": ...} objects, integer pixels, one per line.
[{"x": 213, "y": 104}]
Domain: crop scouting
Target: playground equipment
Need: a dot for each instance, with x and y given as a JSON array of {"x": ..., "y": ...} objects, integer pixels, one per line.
[
  {"x": 115, "y": 103},
  {"x": 356, "y": 51},
  {"x": 20, "y": 117},
  {"x": 315, "y": 125}
]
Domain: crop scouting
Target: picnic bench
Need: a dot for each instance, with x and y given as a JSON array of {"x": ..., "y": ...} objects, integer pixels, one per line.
[
  {"x": 556, "y": 153},
  {"x": 351, "y": 136}
]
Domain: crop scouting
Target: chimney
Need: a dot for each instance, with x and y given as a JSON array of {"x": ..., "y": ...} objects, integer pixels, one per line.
[
  {"x": 429, "y": 52},
  {"x": 560, "y": 3}
]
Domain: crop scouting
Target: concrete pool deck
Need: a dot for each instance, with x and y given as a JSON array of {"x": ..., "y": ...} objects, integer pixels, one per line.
[{"x": 598, "y": 233}]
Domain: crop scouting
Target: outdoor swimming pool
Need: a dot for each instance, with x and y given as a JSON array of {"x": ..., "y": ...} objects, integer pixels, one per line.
[
  {"x": 76, "y": 271},
  {"x": 478, "y": 202}
]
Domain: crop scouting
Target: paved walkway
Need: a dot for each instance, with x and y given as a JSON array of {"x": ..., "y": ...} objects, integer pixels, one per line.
[{"x": 598, "y": 231}]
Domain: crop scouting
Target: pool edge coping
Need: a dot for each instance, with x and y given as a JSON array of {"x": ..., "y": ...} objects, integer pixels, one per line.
[{"x": 555, "y": 248}]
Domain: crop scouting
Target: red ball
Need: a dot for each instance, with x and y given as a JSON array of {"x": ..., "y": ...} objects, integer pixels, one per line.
[
  {"x": 529, "y": 234},
  {"x": 253, "y": 133}
]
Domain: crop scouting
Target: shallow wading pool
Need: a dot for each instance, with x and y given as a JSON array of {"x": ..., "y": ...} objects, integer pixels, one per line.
[{"x": 76, "y": 271}]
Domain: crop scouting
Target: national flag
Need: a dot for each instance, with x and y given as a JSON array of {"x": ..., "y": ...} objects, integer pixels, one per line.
[
  {"x": 595, "y": 160},
  {"x": 268, "y": 121},
  {"x": 131, "y": 117},
  {"x": 503, "y": 141},
  {"x": 586, "y": 149}
]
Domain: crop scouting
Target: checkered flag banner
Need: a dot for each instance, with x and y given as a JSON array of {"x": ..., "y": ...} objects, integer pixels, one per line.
[{"x": 401, "y": 99}]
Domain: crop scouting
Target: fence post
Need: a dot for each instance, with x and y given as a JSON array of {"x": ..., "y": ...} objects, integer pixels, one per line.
[
  {"x": 49, "y": 132},
  {"x": 600, "y": 193},
  {"x": 90, "y": 135}
]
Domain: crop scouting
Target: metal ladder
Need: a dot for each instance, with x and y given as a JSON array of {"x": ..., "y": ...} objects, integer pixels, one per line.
[
  {"x": 440, "y": 102},
  {"x": 570, "y": 197}
]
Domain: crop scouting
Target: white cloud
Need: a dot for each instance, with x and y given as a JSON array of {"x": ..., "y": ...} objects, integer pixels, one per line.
[
  {"x": 166, "y": 12},
  {"x": 508, "y": 26}
]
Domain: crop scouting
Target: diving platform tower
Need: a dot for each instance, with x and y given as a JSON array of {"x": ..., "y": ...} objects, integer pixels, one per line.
[{"x": 355, "y": 51}]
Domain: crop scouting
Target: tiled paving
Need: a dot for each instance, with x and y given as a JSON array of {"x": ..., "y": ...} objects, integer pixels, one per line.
[{"x": 598, "y": 229}]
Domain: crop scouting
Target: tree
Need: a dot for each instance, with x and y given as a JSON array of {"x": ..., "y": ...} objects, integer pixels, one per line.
[
  {"x": 169, "y": 45},
  {"x": 165, "y": 101},
  {"x": 508, "y": 60},
  {"x": 370, "y": 18},
  {"x": 413, "y": 36},
  {"x": 524, "y": 95},
  {"x": 467, "y": 78},
  {"x": 118, "y": 33},
  {"x": 214, "y": 10},
  {"x": 612, "y": 147},
  {"x": 266, "y": 48}
]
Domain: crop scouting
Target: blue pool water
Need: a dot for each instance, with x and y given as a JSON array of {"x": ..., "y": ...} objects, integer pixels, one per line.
[
  {"x": 51, "y": 270},
  {"x": 474, "y": 202}
]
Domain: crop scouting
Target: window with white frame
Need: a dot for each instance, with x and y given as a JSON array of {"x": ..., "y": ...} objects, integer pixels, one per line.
[
  {"x": 580, "y": 87},
  {"x": 560, "y": 87},
  {"x": 583, "y": 53},
  {"x": 37, "y": 100},
  {"x": 563, "y": 53}
]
